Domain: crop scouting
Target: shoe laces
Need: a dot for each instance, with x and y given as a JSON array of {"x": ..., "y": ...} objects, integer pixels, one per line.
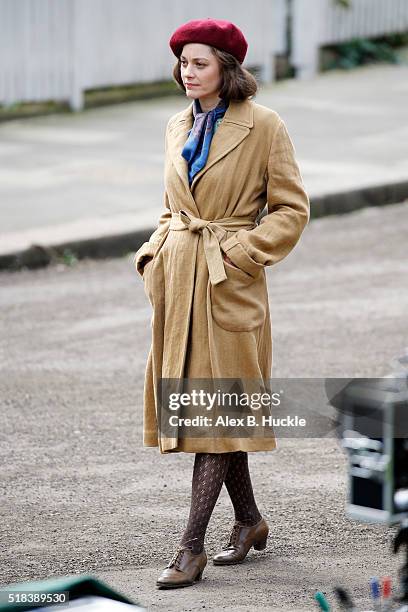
[
  {"x": 233, "y": 541},
  {"x": 176, "y": 558}
]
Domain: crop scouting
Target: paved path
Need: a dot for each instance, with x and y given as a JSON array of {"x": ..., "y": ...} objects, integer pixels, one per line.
[
  {"x": 70, "y": 177},
  {"x": 82, "y": 495}
]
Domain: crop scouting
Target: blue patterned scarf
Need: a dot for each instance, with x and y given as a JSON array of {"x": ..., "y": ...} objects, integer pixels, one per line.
[{"x": 197, "y": 146}]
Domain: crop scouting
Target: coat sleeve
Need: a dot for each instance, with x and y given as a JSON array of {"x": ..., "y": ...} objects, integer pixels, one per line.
[
  {"x": 149, "y": 248},
  {"x": 288, "y": 211}
]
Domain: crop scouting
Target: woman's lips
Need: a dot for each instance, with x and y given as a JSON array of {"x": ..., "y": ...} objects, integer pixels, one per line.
[{"x": 191, "y": 85}]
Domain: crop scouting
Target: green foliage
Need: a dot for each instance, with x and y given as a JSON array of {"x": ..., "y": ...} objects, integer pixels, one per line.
[
  {"x": 343, "y": 3},
  {"x": 360, "y": 51},
  {"x": 69, "y": 258}
]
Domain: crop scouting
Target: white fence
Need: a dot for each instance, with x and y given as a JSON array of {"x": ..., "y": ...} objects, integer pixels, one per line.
[
  {"x": 322, "y": 22},
  {"x": 37, "y": 50},
  {"x": 57, "y": 49}
]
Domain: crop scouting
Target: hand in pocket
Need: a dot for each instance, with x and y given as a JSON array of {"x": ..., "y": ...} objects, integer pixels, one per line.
[
  {"x": 227, "y": 259},
  {"x": 148, "y": 260}
]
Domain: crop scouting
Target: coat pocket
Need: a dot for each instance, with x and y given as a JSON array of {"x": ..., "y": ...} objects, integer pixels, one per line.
[
  {"x": 150, "y": 268},
  {"x": 147, "y": 268},
  {"x": 239, "y": 303}
]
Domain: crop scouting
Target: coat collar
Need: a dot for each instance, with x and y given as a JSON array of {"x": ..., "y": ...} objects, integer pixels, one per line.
[{"x": 235, "y": 126}]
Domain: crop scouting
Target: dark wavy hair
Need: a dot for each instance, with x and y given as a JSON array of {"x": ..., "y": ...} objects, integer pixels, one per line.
[{"x": 237, "y": 83}]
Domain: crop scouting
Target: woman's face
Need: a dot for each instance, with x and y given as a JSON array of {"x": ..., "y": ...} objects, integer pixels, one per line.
[{"x": 200, "y": 72}]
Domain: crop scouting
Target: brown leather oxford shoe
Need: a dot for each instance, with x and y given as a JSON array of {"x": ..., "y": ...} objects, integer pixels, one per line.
[
  {"x": 242, "y": 538},
  {"x": 183, "y": 570}
]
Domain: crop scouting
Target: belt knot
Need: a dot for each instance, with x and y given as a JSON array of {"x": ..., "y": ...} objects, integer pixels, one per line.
[
  {"x": 212, "y": 233},
  {"x": 194, "y": 224}
]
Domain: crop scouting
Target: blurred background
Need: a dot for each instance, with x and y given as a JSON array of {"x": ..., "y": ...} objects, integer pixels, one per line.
[
  {"x": 82, "y": 173},
  {"x": 73, "y": 51}
]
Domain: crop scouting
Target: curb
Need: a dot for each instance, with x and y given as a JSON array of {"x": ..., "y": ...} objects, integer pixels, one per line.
[
  {"x": 102, "y": 247},
  {"x": 348, "y": 201}
]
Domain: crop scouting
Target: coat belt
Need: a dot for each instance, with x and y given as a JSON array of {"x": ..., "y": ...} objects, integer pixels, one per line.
[{"x": 212, "y": 232}]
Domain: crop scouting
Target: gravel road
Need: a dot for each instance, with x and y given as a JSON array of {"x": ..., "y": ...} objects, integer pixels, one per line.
[{"x": 81, "y": 495}]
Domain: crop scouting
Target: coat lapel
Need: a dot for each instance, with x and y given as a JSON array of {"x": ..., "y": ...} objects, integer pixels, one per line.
[
  {"x": 177, "y": 137},
  {"x": 235, "y": 126}
]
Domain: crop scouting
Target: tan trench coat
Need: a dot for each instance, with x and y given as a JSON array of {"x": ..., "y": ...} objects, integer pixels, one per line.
[{"x": 210, "y": 319}]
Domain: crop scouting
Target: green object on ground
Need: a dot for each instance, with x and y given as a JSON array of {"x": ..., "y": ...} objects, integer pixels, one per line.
[
  {"x": 77, "y": 586},
  {"x": 322, "y": 601}
]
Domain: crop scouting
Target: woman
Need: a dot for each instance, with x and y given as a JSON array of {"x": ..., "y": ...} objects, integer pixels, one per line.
[{"x": 204, "y": 272}]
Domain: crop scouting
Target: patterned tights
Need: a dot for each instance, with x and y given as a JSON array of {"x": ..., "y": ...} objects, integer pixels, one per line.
[{"x": 210, "y": 471}]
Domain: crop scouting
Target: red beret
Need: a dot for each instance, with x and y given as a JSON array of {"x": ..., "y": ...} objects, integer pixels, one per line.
[{"x": 218, "y": 33}]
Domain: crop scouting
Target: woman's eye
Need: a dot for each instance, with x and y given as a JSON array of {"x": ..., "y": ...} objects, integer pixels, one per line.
[{"x": 199, "y": 65}]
